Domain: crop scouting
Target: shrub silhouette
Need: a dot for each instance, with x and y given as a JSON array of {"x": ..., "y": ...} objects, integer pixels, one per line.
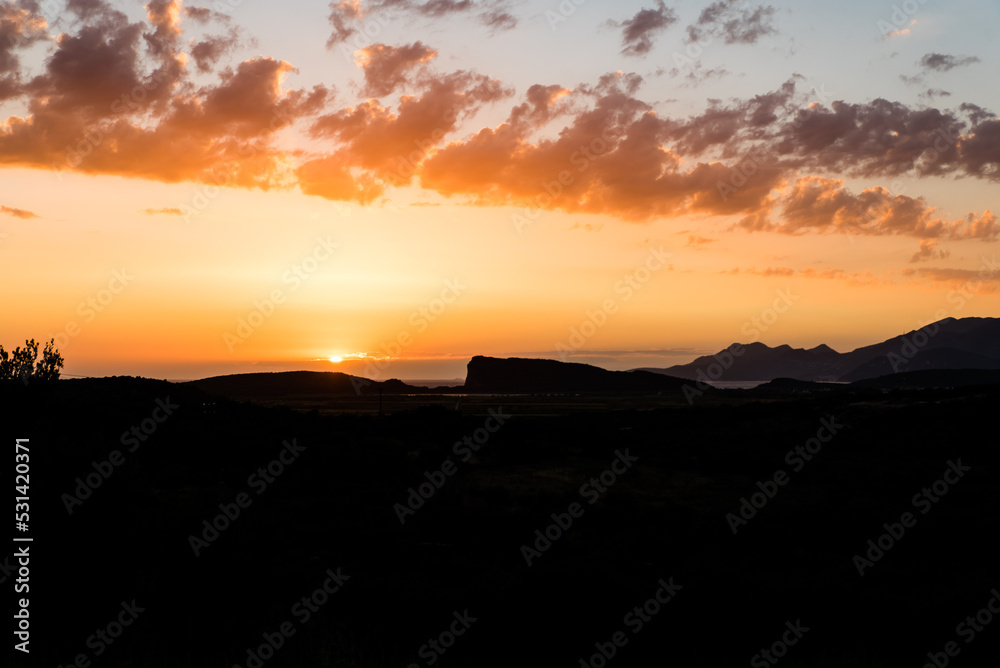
[{"x": 21, "y": 363}]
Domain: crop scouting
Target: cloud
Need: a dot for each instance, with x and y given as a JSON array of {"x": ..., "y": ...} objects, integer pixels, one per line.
[
  {"x": 734, "y": 22},
  {"x": 610, "y": 158},
  {"x": 163, "y": 211},
  {"x": 379, "y": 146},
  {"x": 698, "y": 74},
  {"x": 981, "y": 282},
  {"x": 209, "y": 51},
  {"x": 638, "y": 31},
  {"x": 882, "y": 138},
  {"x": 824, "y": 205},
  {"x": 95, "y": 109},
  {"x": 929, "y": 251},
  {"x": 943, "y": 62},
  {"x": 346, "y": 15},
  {"x": 697, "y": 241},
  {"x": 20, "y": 27},
  {"x": 18, "y": 213},
  {"x": 932, "y": 93},
  {"x": 386, "y": 66},
  {"x": 863, "y": 278},
  {"x": 498, "y": 20}
]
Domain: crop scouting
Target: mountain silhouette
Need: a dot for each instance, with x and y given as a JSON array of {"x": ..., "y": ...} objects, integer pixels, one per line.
[{"x": 967, "y": 343}]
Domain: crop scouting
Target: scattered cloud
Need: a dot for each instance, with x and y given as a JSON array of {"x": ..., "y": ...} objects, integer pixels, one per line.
[
  {"x": 929, "y": 251},
  {"x": 18, "y": 213},
  {"x": 638, "y": 31},
  {"x": 863, "y": 278},
  {"x": 734, "y": 21},
  {"x": 346, "y": 15},
  {"x": 943, "y": 62},
  {"x": 932, "y": 93},
  {"x": 164, "y": 211}
]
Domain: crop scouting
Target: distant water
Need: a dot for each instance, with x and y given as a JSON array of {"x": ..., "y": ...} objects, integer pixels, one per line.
[
  {"x": 750, "y": 384},
  {"x": 735, "y": 384}
]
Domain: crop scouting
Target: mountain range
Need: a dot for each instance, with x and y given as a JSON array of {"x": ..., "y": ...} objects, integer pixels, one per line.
[
  {"x": 949, "y": 352},
  {"x": 967, "y": 343}
]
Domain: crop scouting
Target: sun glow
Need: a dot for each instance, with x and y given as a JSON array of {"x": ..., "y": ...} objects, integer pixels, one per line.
[{"x": 336, "y": 360}]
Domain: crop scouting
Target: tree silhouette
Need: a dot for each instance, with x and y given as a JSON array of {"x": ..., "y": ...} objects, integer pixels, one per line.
[{"x": 20, "y": 363}]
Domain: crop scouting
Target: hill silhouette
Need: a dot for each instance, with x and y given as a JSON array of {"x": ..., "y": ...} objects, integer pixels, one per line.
[
  {"x": 284, "y": 383},
  {"x": 515, "y": 374}
]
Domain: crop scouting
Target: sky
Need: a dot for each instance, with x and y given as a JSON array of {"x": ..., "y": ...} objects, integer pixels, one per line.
[{"x": 388, "y": 188}]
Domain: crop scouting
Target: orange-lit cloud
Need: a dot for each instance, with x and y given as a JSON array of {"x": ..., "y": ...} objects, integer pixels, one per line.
[
  {"x": 386, "y": 66},
  {"x": 824, "y": 205},
  {"x": 18, "y": 213},
  {"x": 168, "y": 211},
  {"x": 116, "y": 97}
]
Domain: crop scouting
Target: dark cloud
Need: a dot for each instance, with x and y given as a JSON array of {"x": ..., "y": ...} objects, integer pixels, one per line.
[
  {"x": 20, "y": 27},
  {"x": 209, "y": 51},
  {"x": 734, "y": 21},
  {"x": 638, "y": 31},
  {"x": 942, "y": 62}
]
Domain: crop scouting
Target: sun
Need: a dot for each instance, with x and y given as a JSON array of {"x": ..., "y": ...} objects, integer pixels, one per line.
[{"x": 336, "y": 360}]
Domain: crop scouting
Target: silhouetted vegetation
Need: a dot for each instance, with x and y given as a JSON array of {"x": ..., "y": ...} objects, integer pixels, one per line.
[{"x": 21, "y": 364}]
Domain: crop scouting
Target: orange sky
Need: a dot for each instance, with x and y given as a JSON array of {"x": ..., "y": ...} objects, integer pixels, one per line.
[{"x": 428, "y": 192}]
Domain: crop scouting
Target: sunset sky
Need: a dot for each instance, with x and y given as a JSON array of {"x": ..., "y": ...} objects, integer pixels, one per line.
[{"x": 196, "y": 189}]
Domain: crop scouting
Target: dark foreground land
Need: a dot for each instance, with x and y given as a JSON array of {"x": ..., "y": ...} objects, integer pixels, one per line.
[{"x": 457, "y": 563}]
